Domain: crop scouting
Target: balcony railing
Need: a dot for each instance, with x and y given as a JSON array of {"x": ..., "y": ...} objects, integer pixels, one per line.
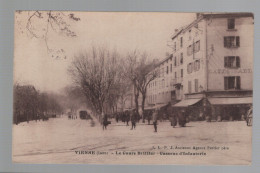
[{"x": 176, "y": 81}]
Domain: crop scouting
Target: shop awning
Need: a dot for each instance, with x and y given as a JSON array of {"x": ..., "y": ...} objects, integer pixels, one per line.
[
  {"x": 231, "y": 101},
  {"x": 188, "y": 102},
  {"x": 149, "y": 108},
  {"x": 160, "y": 105},
  {"x": 155, "y": 106}
]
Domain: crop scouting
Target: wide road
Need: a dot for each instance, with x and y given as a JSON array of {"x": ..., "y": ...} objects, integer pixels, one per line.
[{"x": 61, "y": 140}]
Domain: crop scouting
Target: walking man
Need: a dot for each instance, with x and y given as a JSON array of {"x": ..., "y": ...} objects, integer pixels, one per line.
[
  {"x": 127, "y": 117},
  {"x": 155, "y": 116},
  {"x": 104, "y": 121},
  {"x": 133, "y": 119}
]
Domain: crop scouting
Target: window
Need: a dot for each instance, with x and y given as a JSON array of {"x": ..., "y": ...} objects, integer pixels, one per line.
[
  {"x": 171, "y": 68},
  {"x": 181, "y": 42},
  {"x": 163, "y": 83},
  {"x": 231, "y": 23},
  {"x": 167, "y": 70},
  {"x": 181, "y": 58},
  {"x": 231, "y": 61},
  {"x": 189, "y": 50},
  {"x": 174, "y": 46},
  {"x": 175, "y": 61},
  {"x": 197, "y": 46},
  {"x": 189, "y": 68},
  {"x": 181, "y": 72},
  {"x": 189, "y": 34},
  {"x": 197, "y": 65},
  {"x": 231, "y": 41},
  {"x": 163, "y": 72},
  {"x": 175, "y": 75},
  {"x": 189, "y": 86},
  {"x": 196, "y": 85},
  {"x": 232, "y": 82}
]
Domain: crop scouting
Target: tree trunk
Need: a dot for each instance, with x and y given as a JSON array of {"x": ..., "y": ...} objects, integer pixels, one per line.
[
  {"x": 136, "y": 92},
  {"x": 27, "y": 116},
  {"x": 143, "y": 102}
]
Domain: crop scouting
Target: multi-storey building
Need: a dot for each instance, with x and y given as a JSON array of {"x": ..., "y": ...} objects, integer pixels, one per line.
[
  {"x": 211, "y": 66},
  {"x": 159, "y": 91}
]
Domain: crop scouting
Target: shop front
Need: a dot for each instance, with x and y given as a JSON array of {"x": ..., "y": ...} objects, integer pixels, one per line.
[{"x": 229, "y": 108}]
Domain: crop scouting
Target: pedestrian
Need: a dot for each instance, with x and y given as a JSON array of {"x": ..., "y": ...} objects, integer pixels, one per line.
[
  {"x": 127, "y": 117},
  {"x": 149, "y": 116},
  {"x": 182, "y": 117},
  {"x": 104, "y": 120},
  {"x": 117, "y": 117},
  {"x": 133, "y": 119},
  {"x": 173, "y": 119},
  {"x": 155, "y": 117},
  {"x": 123, "y": 118}
]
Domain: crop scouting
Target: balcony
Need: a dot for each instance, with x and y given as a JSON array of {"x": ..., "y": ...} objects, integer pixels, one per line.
[{"x": 176, "y": 81}]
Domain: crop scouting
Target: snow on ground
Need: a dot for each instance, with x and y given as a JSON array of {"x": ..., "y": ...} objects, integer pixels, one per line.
[{"x": 57, "y": 140}]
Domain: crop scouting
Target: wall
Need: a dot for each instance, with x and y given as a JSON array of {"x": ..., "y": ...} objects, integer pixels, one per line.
[
  {"x": 216, "y": 30},
  {"x": 191, "y": 36}
]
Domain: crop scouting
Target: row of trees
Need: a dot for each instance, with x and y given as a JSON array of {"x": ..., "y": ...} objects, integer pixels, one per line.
[
  {"x": 30, "y": 104},
  {"x": 105, "y": 77}
]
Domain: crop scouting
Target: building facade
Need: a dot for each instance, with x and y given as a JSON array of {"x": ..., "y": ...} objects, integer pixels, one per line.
[
  {"x": 211, "y": 67},
  {"x": 159, "y": 91}
]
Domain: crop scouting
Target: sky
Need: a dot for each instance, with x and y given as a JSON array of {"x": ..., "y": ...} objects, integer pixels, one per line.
[{"x": 123, "y": 31}]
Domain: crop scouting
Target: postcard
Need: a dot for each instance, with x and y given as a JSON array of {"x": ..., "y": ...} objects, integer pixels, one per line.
[{"x": 137, "y": 88}]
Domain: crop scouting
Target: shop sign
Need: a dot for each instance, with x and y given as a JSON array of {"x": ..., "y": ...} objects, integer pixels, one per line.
[{"x": 228, "y": 71}]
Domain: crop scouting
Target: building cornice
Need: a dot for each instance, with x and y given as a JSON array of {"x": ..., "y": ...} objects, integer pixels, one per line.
[{"x": 211, "y": 15}]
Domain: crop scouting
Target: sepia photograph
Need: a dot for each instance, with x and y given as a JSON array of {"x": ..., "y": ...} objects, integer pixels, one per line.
[{"x": 142, "y": 88}]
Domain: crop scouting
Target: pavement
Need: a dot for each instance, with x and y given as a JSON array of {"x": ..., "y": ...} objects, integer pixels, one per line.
[{"x": 60, "y": 140}]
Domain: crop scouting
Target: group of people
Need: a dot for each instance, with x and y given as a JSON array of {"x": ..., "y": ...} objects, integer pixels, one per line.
[{"x": 131, "y": 116}]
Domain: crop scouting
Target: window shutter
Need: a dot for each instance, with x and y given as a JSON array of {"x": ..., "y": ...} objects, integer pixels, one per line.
[
  {"x": 196, "y": 85},
  {"x": 226, "y": 83},
  {"x": 189, "y": 86},
  {"x": 238, "y": 82},
  {"x": 225, "y": 61},
  {"x": 237, "y": 61},
  {"x": 237, "y": 41}
]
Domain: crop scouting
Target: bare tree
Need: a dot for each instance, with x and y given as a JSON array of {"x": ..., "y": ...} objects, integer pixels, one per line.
[
  {"x": 39, "y": 25},
  {"x": 29, "y": 103},
  {"x": 74, "y": 98},
  {"x": 97, "y": 72},
  {"x": 140, "y": 72},
  {"x": 124, "y": 92}
]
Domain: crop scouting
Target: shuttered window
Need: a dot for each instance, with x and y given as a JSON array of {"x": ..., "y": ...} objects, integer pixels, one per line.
[
  {"x": 189, "y": 86},
  {"x": 231, "y": 23},
  {"x": 196, "y": 83},
  {"x": 231, "y": 61},
  {"x": 232, "y": 82},
  {"x": 231, "y": 41}
]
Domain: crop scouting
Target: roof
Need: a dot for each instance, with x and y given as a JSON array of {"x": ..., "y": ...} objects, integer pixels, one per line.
[
  {"x": 230, "y": 101},
  {"x": 211, "y": 15},
  {"x": 167, "y": 58}
]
